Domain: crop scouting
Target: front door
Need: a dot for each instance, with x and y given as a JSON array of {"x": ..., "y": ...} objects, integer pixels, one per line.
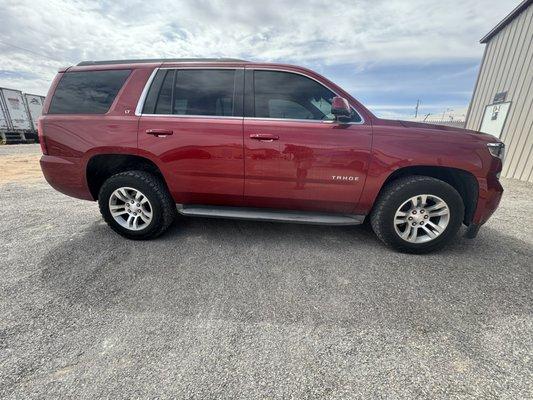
[
  {"x": 296, "y": 156},
  {"x": 192, "y": 125}
]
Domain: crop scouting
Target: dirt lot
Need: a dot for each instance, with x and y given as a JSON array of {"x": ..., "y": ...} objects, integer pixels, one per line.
[{"x": 231, "y": 309}]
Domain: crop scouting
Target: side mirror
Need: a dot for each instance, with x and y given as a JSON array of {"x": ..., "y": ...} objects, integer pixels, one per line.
[{"x": 340, "y": 108}]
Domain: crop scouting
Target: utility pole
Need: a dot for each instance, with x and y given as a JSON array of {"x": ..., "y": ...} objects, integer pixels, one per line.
[{"x": 416, "y": 108}]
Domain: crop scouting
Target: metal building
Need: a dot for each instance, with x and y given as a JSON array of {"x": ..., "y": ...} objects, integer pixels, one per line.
[{"x": 502, "y": 101}]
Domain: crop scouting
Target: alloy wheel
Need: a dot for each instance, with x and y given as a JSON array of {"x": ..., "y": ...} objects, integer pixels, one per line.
[
  {"x": 421, "y": 218},
  {"x": 130, "y": 208}
]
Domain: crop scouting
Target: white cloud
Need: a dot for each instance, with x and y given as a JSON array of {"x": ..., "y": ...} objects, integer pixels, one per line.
[{"x": 309, "y": 32}]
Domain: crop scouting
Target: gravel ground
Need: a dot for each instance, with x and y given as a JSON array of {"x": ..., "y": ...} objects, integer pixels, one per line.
[
  {"x": 230, "y": 309},
  {"x": 20, "y": 149}
]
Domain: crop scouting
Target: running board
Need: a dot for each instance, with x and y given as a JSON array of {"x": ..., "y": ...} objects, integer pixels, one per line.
[{"x": 271, "y": 215}]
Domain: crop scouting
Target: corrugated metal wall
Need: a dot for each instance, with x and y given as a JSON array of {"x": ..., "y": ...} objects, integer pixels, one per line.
[{"x": 508, "y": 66}]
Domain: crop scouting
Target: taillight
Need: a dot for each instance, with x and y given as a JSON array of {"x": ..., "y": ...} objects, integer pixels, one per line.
[{"x": 40, "y": 134}]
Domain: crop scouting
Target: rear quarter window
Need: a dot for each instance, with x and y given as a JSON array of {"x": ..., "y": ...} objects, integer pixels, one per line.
[{"x": 90, "y": 92}]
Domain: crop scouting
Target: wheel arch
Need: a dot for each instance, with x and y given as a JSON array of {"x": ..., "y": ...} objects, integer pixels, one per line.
[
  {"x": 463, "y": 181},
  {"x": 100, "y": 167}
]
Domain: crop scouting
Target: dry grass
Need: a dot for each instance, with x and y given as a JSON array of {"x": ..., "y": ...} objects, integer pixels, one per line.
[{"x": 20, "y": 168}]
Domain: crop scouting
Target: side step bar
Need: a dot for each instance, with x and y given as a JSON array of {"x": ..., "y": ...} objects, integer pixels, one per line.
[{"x": 272, "y": 215}]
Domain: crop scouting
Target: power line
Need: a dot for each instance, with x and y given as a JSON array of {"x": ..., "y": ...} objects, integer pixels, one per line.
[{"x": 29, "y": 51}]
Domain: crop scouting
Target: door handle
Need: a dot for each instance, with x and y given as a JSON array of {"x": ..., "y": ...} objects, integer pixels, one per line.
[
  {"x": 159, "y": 132},
  {"x": 264, "y": 136}
]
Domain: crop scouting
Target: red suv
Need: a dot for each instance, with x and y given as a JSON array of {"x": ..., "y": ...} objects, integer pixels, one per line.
[{"x": 149, "y": 139}]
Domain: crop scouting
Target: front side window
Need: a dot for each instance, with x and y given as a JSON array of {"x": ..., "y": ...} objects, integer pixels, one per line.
[
  {"x": 209, "y": 92},
  {"x": 285, "y": 95},
  {"x": 287, "y": 108},
  {"x": 90, "y": 92}
]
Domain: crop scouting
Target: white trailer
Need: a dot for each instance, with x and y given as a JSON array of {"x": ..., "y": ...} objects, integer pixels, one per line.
[
  {"x": 4, "y": 122},
  {"x": 16, "y": 115},
  {"x": 34, "y": 103},
  {"x": 3, "y": 117}
]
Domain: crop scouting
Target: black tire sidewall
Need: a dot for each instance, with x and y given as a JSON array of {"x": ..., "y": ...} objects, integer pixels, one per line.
[
  {"x": 119, "y": 181},
  {"x": 417, "y": 187}
]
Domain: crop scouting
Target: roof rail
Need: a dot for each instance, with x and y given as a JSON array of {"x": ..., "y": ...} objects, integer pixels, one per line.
[{"x": 155, "y": 60}]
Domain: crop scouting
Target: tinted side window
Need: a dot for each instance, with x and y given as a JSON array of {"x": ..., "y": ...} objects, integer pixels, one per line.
[
  {"x": 153, "y": 92},
  {"x": 164, "y": 97},
  {"x": 204, "y": 92},
  {"x": 90, "y": 92},
  {"x": 192, "y": 92},
  {"x": 286, "y": 108},
  {"x": 291, "y": 96}
]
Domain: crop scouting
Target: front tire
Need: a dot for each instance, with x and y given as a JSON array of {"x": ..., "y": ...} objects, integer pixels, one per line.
[
  {"x": 136, "y": 204},
  {"x": 417, "y": 214}
]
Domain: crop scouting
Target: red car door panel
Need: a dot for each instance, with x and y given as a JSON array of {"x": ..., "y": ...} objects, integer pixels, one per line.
[
  {"x": 313, "y": 165},
  {"x": 202, "y": 159}
]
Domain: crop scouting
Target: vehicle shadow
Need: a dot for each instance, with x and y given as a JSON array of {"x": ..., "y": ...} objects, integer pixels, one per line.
[{"x": 284, "y": 273}]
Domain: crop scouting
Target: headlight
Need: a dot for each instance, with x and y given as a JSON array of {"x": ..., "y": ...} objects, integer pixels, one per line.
[{"x": 497, "y": 150}]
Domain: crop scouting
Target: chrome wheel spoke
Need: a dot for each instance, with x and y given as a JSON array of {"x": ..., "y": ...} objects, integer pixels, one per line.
[
  {"x": 400, "y": 218},
  {"x": 122, "y": 195},
  {"x": 429, "y": 232},
  {"x": 435, "y": 228},
  {"x": 400, "y": 221},
  {"x": 118, "y": 213},
  {"x": 410, "y": 233},
  {"x": 437, "y": 206},
  {"x": 406, "y": 232},
  {"x": 438, "y": 213},
  {"x": 413, "y": 234}
]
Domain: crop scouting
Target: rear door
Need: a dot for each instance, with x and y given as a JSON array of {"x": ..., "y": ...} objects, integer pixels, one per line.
[
  {"x": 16, "y": 109},
  {"x": 35, "y": 107},
  {"x": 296, "y": 156},
  {"x": 3, "y": 114},
  {"x": 192, "y": 124}
]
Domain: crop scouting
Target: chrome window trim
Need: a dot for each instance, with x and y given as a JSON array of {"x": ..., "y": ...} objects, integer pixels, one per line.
[
  {"x": 275, "y": 69},
  {"x": 144, "y": 93},
  {"x": 315, "y": 121},
  {"x": 142, "y": 99},
  {"x": 192, "y": 116}
]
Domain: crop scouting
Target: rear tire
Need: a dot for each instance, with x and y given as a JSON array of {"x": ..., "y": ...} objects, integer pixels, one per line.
[
  {"x": 417, "y": 214},
  {"x": 120, "y": 200}
]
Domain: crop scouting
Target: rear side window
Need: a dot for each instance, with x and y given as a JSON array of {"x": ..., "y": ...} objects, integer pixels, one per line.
[
  {"x": 192, "y": 92},
  {"x": 164, "y": 97},
  {"x": 90, "y": 92}
]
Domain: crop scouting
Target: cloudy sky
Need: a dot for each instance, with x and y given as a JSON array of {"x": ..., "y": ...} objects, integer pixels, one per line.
[{"x": 386, "y": 53}]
